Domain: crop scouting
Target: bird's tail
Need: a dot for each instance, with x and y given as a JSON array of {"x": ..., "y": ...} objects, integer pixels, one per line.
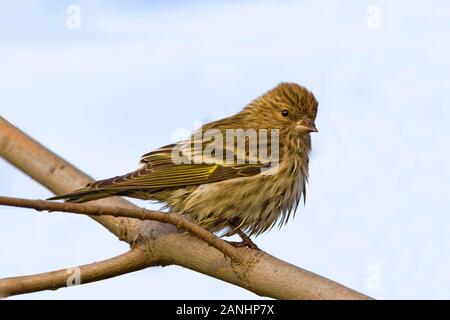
[
  {"x": 93, "y": 191},
  {"x": 83, "y": 195}
]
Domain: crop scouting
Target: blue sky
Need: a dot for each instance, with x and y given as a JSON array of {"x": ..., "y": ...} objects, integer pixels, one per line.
[{"x": 136, "y": 72}]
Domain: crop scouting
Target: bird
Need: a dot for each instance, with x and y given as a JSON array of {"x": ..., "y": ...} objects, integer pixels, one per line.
[{"x": 233, "y": 188}]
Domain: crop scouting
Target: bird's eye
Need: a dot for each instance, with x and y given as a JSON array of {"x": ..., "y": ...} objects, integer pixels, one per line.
[{"x": 284, "y": 113}]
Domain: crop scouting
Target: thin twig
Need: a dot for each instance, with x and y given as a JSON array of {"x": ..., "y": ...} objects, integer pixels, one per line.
[
  {"x": 130, "y": 261},
  {"x": 141, "y": 214}
]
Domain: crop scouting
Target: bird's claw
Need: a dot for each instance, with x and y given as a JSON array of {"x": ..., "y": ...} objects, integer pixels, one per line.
[{"x": 245, "y": 244}]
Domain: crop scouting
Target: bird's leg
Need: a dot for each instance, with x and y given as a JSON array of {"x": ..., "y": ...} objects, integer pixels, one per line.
[{"x": 246, "y": 241}]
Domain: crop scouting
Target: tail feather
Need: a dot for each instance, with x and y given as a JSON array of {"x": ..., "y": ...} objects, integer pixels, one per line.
[
  {"x": 84, "y": 195},
  {"x": 100, "y": 189}
]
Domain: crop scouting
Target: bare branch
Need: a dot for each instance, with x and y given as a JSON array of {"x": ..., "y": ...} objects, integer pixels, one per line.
[
  {"x": 56, "y": 174},
  {"x": 259, "y": 272},
  {"x": 141, "y": 214},
  {"x": 131, "y": 261}
]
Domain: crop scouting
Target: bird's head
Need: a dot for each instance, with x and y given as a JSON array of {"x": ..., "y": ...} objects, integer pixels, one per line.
[{"x": 289, "y": 107}]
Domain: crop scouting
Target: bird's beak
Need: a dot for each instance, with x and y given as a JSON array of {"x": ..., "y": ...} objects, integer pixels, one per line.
[{"x": 306, "y": 125}]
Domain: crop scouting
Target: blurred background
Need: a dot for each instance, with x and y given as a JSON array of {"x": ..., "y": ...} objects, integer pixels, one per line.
[{"x": 103, "y": 83}]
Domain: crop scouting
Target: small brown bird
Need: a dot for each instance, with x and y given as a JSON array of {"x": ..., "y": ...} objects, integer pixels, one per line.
[{"x": 234, "y": 187}]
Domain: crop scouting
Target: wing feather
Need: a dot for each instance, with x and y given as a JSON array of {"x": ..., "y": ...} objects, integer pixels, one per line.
[{"x": 159, "y": 171}]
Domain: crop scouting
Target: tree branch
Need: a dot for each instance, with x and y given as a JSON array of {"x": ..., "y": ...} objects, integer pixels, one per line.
[
  {"x": 130, "y": 261},
  {"x": 163, "y": 245},
  {"x": 141, "y": 214}
]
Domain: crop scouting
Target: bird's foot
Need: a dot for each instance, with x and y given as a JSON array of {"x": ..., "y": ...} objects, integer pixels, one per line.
[{"x": 245, "y": 243}]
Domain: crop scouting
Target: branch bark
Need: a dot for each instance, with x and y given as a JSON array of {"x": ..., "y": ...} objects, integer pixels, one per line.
[
  {"x": 141, "y": 214},
  {"x": 161, "y": 244},
  {"x": 130, "y": 261}
]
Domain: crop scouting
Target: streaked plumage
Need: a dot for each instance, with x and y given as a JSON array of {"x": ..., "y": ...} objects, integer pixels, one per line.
[{"x": 216, "y": 194}]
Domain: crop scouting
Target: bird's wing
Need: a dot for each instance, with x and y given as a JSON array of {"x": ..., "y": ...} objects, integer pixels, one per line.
[
  {"x": 159, "y": 170},
  {"x": 162, "y": 169}
]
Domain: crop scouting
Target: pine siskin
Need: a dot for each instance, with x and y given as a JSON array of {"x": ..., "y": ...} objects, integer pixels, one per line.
[{"x": 223, "y": 178}]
